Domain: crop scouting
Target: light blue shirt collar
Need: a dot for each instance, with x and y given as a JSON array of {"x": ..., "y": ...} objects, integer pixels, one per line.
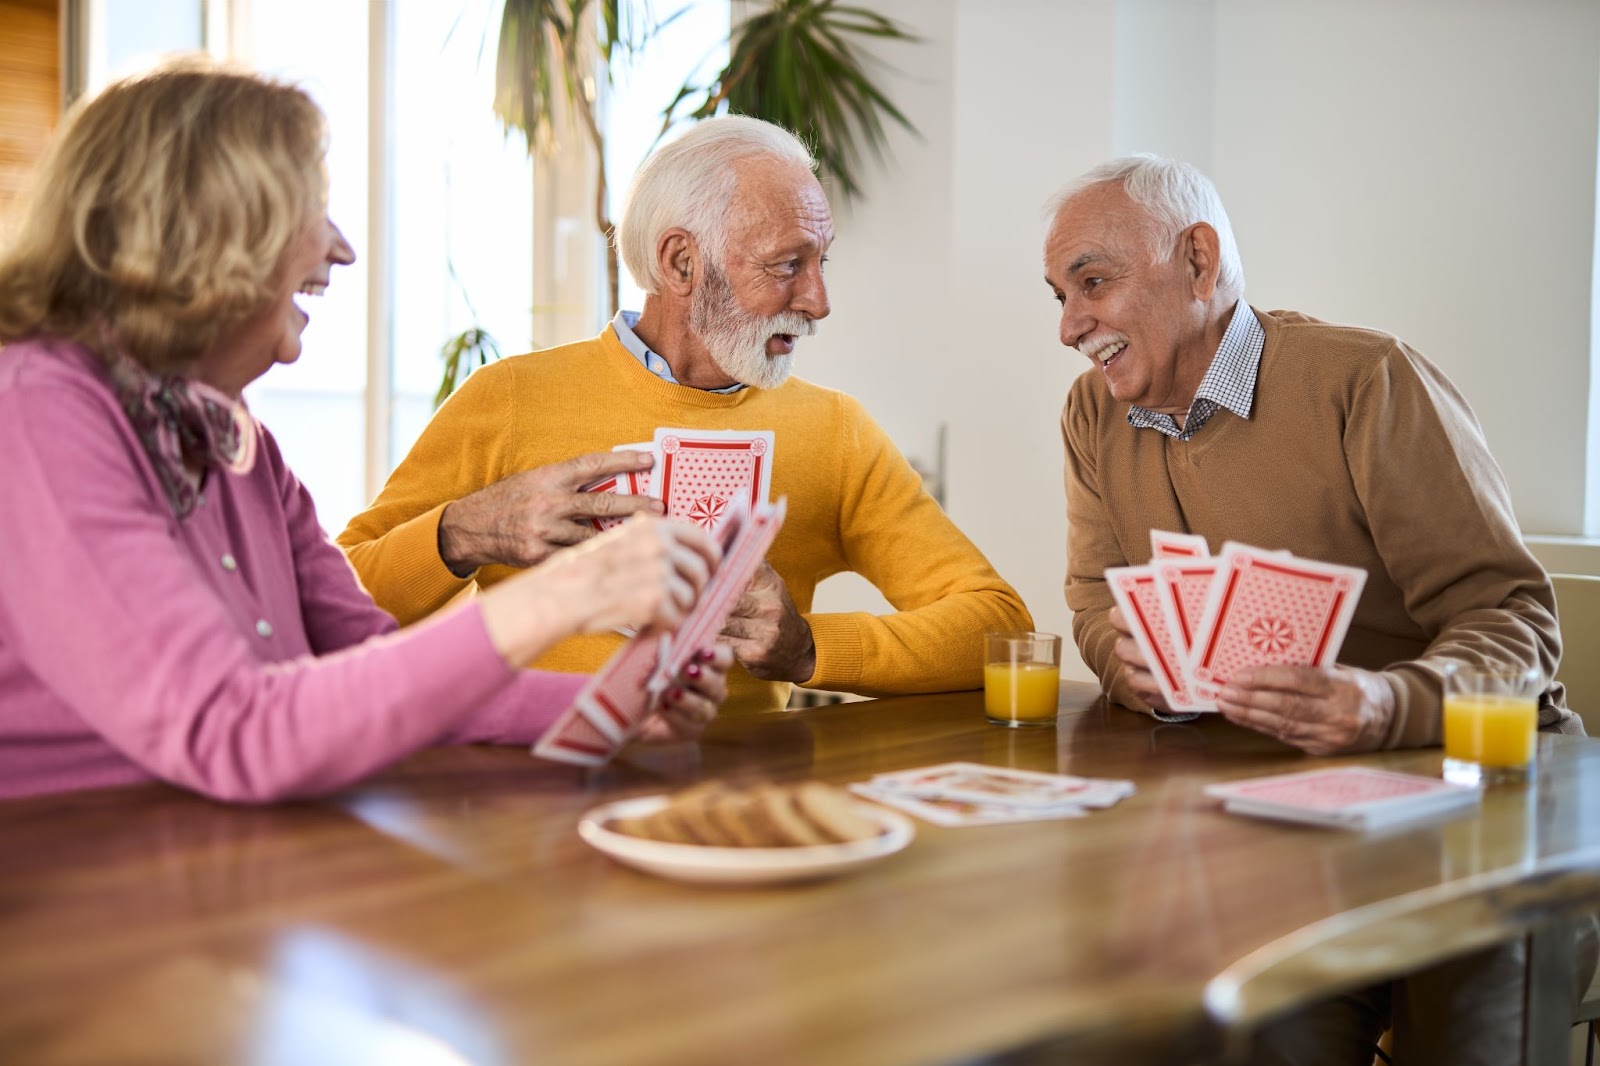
[{"x": 623, "y": 324}]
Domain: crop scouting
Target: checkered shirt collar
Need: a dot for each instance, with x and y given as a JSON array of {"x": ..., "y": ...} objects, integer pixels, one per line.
[{"x": 1230, "y": 380}]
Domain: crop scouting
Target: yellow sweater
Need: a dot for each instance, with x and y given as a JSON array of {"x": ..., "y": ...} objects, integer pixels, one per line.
[{"x": 855, "y": 504}]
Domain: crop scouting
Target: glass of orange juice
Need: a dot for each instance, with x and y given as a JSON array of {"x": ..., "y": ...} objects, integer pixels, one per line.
[
  {"x": 1491, "y": 721},
  {"x": 1021, "y": 678}
]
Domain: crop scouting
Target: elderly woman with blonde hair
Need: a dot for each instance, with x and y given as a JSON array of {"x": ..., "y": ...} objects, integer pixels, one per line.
[{"x": 169, "y": 606}]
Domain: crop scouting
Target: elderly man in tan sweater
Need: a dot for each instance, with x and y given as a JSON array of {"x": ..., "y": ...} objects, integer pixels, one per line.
[{"x": 1205, "y": 415}]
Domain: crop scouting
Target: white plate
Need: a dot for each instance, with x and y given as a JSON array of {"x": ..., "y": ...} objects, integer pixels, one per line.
[{"x": 738, "y": 866}]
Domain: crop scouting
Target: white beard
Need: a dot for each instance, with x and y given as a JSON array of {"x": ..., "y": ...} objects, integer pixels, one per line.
[{"x": 737, "y": 340}]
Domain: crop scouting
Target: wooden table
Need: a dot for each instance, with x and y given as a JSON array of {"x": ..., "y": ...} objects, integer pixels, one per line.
[{"x": 447, "y": 912}]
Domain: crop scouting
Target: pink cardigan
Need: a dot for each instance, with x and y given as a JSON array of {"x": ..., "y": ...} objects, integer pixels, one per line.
[{"x": 232, "y": 652}]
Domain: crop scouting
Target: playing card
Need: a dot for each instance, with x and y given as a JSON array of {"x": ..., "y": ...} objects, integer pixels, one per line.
[
  {"x": 953, "y": 813},
  {"x": 1165, "y": 545},
  {"x": 1266, "y": 608},
  {"x": 976, "y": 783},
  {"x": 1139, "y": 596},
  {"x": 574, "y": 739},
  {"x": 1183, "y": 586},
  {"x": 745, "y": 541},
  {"x": 617, "y": 699},
  {"x": 1351, "y": 796},
  {"x": 629, "y": 483},
  {"x": 614, "y": 704},
  {"x": 699, "y": 473}
]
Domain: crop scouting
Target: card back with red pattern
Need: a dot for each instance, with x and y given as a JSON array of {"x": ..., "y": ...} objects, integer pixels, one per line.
[
  {"x": 1266, "y": 608},
  {"x": 700, "y": 473},
  {"x": 748, "y": 539},
  {"x": 629, "y": 483},
  {"x": 1356, "y": 797},
  {"x": 574, "y": 739},
  {"x": 1137, "y": 593},
  {"x": 1167, "y": 545}
]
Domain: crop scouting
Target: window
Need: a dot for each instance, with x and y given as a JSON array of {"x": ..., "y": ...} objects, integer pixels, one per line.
[
  {"x": 437, "y": 200},
  {"x": 442, "y": 224}
]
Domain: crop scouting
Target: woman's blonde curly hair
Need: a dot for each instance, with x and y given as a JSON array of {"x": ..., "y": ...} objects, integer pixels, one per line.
[{"x": 159, "y": 214}]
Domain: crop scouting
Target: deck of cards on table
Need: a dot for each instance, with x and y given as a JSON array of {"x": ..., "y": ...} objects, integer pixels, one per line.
[
  {"x": 613, "y": 706},
  {"x": 1350, "y": 797},
  {"x": 964, "y": 793},
  {"x": 1200, "y": 620}
]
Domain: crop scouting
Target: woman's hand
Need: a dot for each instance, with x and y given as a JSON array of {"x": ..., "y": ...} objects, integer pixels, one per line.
[
  {"x": 690, "y": 705},
  {"x": 646, "y": 573}
]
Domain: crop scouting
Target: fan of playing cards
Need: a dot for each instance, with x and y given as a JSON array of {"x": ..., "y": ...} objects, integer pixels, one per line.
[{"x": 1201, "y": 619}]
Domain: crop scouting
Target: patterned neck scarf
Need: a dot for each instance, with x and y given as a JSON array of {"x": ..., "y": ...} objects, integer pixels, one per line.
[{"x": 186, "y": 427}]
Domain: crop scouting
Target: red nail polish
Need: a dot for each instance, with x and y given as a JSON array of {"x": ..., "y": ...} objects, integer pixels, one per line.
[
  {"x": 674, "y": 695},
  {"x": 706, "y": 654},
  {"x": 693, "y": 670}
]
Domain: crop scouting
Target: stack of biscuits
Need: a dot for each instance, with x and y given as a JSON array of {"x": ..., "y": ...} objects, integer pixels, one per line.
[{"x": 759, "y": 816}]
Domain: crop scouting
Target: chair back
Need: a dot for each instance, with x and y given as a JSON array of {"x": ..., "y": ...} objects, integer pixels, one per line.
[{"x": 1578, "y": 608}]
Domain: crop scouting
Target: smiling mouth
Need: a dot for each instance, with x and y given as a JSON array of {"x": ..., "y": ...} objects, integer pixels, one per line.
[
  {"x": 309, "y": 288},
  {"x": 1107, "y": 354}
]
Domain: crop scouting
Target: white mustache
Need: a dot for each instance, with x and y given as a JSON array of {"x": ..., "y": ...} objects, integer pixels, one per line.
[
  {"x": 793, "y": 324},
  {"x": 1093, "y": 349}
]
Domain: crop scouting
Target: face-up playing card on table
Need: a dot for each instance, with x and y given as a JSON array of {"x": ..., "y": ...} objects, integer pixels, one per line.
[
  {"x": 627, "y": 483},
  {"x": 953, "y": 813},
  {"x": 1138, "y": 593},
  {"x": 1167, "y": 545},
  {"x": 1268, "y": 608},
  {"x": 699, "y": 473},
  {"x": 977, "y": 783}
]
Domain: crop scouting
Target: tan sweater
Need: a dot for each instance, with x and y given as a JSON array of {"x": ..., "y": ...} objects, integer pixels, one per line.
[
  {"x": 854, "y": 504},
  {"x": 1357, "y": 451}
]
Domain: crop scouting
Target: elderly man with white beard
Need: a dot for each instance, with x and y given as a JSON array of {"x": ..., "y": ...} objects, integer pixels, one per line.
[{"x": 726, "y": 230}]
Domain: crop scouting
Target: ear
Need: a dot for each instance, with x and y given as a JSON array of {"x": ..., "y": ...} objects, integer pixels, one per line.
[
  {"x": 1202, "y": 258},
  {"x": 677, "y": 261}
]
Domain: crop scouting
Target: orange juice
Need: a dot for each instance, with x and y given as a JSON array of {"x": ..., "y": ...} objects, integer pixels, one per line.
[
  {"x": 1021, "y": 692},
  {"x": 1490, "y": 730}
]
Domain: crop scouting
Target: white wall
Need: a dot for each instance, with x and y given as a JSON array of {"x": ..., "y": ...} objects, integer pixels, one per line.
[
  {"x": 1429, "y": 169},
  {"x": 1421, "y": 166},
  {"x": 940, "y": 309}
]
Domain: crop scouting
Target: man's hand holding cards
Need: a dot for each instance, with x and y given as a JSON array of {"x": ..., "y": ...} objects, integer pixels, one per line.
[{"x": 1252, "y": 633}]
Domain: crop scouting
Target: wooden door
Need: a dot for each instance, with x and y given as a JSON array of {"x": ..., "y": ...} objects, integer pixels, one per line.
[{"x": 30, "y": 91}]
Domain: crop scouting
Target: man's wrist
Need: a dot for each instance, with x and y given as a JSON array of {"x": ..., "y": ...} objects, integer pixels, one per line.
[
  {"x": 806, "y": 666},
  {"x": 450, "y": 552}
]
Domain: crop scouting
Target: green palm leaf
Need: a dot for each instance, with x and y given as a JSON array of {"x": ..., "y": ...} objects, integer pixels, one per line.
[{"x": 798, "y": 64}]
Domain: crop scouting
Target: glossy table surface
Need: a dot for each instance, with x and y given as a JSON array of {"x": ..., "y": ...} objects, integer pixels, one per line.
[{"x": 447, "y": 911}]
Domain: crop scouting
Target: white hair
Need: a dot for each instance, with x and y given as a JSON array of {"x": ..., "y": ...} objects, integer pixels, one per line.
[
  {"x": 689, "y": 184},
  {"x": 1175, "y": 195}
]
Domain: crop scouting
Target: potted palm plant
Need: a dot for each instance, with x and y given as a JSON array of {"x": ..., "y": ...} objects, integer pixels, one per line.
[{"x": 799, "y": 63}]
